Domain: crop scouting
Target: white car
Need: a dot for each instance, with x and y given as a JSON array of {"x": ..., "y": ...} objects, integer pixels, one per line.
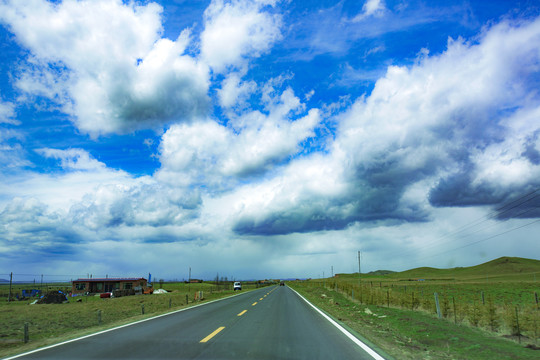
[{"x": 237, "y": 286}]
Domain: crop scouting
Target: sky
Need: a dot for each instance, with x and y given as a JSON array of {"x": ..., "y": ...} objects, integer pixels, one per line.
[{"x": 266, "y": 139}]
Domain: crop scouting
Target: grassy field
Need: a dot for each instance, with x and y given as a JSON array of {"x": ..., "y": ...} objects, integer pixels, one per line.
[
  {"x": 52, "y": 323},
  {"x": 481, "y": 309}
]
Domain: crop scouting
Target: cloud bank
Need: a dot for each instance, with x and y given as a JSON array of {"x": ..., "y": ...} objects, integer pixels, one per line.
[{"x": 249, "y": 165}]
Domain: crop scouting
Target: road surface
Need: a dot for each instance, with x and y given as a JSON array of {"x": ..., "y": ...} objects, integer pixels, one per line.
[{"x": 268, "y": 323}]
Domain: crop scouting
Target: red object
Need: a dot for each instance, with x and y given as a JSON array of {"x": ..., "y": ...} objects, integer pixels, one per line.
[{"x": 105, "y": 295}]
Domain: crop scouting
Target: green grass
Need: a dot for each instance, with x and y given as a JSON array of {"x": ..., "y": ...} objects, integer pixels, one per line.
[
  {"x": 478, "y": 306},
  {"x": 406, "y": 334},
  {"x": 52, "y": 323}
]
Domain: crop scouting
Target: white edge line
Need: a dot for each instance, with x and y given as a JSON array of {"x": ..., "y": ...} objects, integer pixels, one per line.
[
  {"x": 118, "y": 327},
  {"x": 366, "y": 348}
]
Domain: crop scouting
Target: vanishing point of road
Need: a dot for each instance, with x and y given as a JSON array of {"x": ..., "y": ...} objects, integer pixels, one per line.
[{"x": 268, "y": 323}]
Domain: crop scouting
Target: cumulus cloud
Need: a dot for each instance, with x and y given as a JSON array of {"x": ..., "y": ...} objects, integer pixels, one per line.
[
  {"x": 455, "y": 129},
  {"x": 132, "y": 80},
  {"x": 234, "y": 92},
  {"x": 237, "y": 30},
  {"x": 89, "y": 201},
  {"x": 215, "y": 155}
]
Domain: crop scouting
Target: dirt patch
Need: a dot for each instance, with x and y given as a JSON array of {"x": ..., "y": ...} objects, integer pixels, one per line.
[{"x": 53, "y": 297}]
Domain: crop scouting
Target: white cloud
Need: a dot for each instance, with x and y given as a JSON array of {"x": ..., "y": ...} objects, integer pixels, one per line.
[
  {"x": 120, "y": 83},
  {"x": 234, "y": 92},
  {"x": 424, "y": 117},
  {"x": 209, "y": 153},
  {"x": 236, "y": 30},
  {"x": 7, "y": 113},
  {"x": 74, "y": 159},
  {"x": 420, "y": 125},
  {"x": 370, "y": 8}
]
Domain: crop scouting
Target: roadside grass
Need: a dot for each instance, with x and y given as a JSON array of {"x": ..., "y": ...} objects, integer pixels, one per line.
[
  {"x": 407, "y": 334},
  {"x": 53, "y": 323}
]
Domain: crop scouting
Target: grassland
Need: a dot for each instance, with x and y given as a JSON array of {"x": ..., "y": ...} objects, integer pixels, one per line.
[
  {"x": 52, "y": 323},
  {"x": 481, "y": 307}
]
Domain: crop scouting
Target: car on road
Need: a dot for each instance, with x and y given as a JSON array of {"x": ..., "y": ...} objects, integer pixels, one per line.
[
  {"x": 237, "y": 286},
  {"x": 282, "y": 283}
]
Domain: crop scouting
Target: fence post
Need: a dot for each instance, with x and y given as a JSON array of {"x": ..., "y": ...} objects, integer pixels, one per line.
[
  {"x": 25, "y": 332},
  {"x": 536, "y": 297},
  {"x": 142, "y": 309},
  {"x": 388, "y": 298},
  {"x": 437, "y": 305},
  {"x": 352, "y": 294},
  {"x": 170, "y": 302},
  {"x": 455, "y": 316},
  {"x": 99, "y": 317},
  {"x": 483, "y": 300},
  {"x": 187, "y": 299},
  {"x": 517, "y": 323}
]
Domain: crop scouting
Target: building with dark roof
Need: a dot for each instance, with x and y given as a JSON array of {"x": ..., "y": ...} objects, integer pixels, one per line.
[{"x": 103, "y": 285}]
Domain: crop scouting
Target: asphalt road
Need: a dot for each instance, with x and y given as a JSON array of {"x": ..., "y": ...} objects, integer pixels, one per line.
[{"x": 268, "y": 323}]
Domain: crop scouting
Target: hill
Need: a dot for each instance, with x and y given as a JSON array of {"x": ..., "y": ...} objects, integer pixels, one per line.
[{"x": 504, "y": 267}]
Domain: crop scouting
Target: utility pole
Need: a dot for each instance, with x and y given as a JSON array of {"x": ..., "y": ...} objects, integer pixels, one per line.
[{"x": 359, "y": 269}]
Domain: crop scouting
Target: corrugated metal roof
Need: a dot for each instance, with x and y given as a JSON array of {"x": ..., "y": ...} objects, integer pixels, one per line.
[{"x": 108, "y": 279}]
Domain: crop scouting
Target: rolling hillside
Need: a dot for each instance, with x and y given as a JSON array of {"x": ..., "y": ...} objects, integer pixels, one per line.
[{"x": 501, "y": 268}]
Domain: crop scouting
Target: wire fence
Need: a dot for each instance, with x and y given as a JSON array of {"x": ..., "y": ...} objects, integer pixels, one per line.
[{"x": 516, "y": 319}]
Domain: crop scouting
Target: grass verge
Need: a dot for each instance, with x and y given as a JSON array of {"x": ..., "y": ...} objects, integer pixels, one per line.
[
  {"x": 405, "y": 334},
  {"x": 53, "y": 323}
]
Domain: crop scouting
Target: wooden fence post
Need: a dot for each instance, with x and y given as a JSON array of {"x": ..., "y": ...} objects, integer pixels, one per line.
[
  {"x": 99, "y": 317},
  {"x": 437, "y": 305},
  {"x": 517, "y": 323},
  {"x": 455, "y": 316},
  {"x": 25, "y": 332}
]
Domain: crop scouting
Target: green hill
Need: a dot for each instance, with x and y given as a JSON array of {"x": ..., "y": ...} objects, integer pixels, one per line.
[{"x": 504, "y": 267}]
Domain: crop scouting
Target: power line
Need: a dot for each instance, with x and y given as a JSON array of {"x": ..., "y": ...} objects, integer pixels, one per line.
[
  {"x": 482, "y": 240},
  {"x": 476, "y": 223}
]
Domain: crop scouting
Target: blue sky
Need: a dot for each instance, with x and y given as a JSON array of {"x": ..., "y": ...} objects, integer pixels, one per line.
[{"x": 260, "y": 139}]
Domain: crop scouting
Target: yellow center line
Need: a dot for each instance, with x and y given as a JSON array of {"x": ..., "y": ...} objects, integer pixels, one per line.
[
  {"x": 242, "y": 313},
  {"x": 212, "y": 334},
  {"x": 260, "y": 299},
  {"x": 255, "y": 303}
]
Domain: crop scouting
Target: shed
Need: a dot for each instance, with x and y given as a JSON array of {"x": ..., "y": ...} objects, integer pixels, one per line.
[{"x": 102, "y": 285}]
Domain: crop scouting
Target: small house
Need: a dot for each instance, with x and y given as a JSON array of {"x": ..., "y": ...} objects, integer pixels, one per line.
[{"x": 103, "y": 285}]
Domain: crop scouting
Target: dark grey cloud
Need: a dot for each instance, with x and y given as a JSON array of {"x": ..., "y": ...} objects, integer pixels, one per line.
[
  {"x": 531, "y": 152},
  {"x": 363, "y": 203},
  {"x": 176, "y": 97}
]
